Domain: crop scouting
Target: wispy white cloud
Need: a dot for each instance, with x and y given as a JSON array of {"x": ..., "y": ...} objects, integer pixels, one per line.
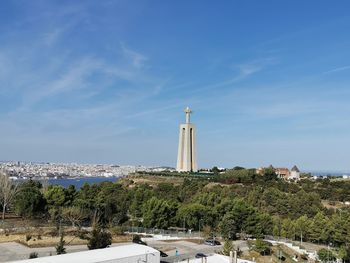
[
  {"x": 53, "y": 33},
  {"x": 51, "y": 37},
  {"x": 74, "y": 78},
  {"x": 70, "y": 82},
  {"x": 68, "y": 77},
  {"x": 249, "y": 69},
  {"x": 255, "y": 66},
  {"x": 240, "y": 72},
  {"x": 154, "y": 110},
  {"x": 137, "y": 59},
  {"x": 337, "y": 69}
]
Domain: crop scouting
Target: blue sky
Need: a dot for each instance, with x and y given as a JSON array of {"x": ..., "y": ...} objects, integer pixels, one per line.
[{"x": 107, "y": 81}]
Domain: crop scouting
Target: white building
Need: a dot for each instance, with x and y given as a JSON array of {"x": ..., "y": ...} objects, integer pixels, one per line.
[
  {"x": 133, "y": 253},
  {"x": 187, "y": 156},
  {"x": 294, "y": 173}
]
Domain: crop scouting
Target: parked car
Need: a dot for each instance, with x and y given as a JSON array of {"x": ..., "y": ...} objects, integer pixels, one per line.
[
  {"x": 217, "y": 243},
  {"x": 282, "y": 258},
  {"x": 162, "y": 254},
  {"x": 200, "y": 255},
  {"x": 212, "y": 242}
]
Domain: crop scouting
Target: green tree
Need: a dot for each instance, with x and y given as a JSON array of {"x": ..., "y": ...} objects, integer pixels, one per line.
[
  {"x": 241, "y": 211},
  {"x": 215, "y": 170},
  {"x": 262, "y": 247},
  {"x": 114, "y": 208},
  {"x": 326, "y": 255},
  {"x": 302, "y": 226},
  {"x": 225, "y": 206},
  {"x": 166, "y": 191},
  {"x": 250, "y": 220},
  {"x": 158, "y": 213},
  {"x": 86, "y": 196},
  {"x": 139, "y": 195},
  {"x": 210, "y": 199},
  {"x": 269, "y": 174},
  {"x": 195, "y": 214},
  {"x": 55, "y": 198},
  {"x": 318, "y": 231},
  {"x": 70, "y": 194},
  {"x": 288, "y": 228},
  {"x": 228, "y": 228},
  {"x": 60, "y": 249},
  {"x": 238, "y": 176},
  {"x": 99, "y": 238},
  {"x": 344, "y": 253},
  {"x": 338, "y": 226},
  {"x": 254, "y": 197},
  {"x": 228, "y": 247},
  {"x": 29, "y": 200},
  {"x": 303, "y": 203}
]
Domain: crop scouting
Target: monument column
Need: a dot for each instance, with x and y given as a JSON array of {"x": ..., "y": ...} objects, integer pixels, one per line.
[{"x": 186, "y": 158}]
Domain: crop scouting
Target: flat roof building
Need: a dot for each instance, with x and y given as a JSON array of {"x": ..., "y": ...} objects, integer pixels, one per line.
[{"x": 133, "y": 253}]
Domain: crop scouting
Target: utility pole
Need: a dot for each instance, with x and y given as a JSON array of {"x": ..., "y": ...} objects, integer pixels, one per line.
[
  {"x": 279, "y": 254},
  {"x": 60, "y": 227},
  {"x": 132, "y": 228},
  {"x": 199, "y": 231}
]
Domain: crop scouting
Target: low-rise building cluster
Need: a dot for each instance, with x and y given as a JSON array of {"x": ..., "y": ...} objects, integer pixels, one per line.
[
  {"x": 61, "y": 170},
  {"x": 284, "y": 173}
]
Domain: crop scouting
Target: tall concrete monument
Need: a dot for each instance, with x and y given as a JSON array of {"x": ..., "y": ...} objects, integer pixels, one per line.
[{"x": 187, "y": 157}]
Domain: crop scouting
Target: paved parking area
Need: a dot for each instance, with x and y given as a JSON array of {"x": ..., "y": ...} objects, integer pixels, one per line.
[{"x": 188, "y": 249}]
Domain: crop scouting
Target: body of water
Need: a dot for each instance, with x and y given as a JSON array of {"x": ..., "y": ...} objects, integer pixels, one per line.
[{"x": 78, "y": 182}]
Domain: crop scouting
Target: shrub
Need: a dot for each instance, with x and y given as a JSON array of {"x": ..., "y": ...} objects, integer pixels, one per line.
[
  {"x": 99, "y": 238},
  {"x": 33, "y": 255},
  {"x": 82, "y": 234},
  {"x": 325, "y": 255},
  {"x": 136, "y": 238},
  {"x": 263, "y": 247},
  {"x": 228, "y": 247},
  {"x": 60, "y": 249}
]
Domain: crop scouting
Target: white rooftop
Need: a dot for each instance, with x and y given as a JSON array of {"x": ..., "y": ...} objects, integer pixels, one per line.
[{"x": 99, "y": 255}]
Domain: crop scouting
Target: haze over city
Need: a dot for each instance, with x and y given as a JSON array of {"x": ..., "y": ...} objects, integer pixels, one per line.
[{"x": 107, "y": 82}]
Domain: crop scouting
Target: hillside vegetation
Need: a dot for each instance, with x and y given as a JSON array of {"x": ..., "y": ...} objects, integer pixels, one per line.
[{"x": 234, "y": 204}]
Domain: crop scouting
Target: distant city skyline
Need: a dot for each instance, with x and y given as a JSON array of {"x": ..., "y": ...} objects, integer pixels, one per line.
[{"x": 106, "y": 82}]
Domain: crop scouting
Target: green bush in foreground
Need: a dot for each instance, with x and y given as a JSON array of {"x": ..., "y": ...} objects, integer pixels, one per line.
[
  {"x": 33, "y": 255},
  {"x": 99, "y": 238},
  {"x": 60, "y": 249}
]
